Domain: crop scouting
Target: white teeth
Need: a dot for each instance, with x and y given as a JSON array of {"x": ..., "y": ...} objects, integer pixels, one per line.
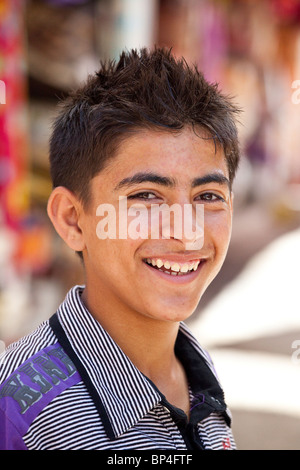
[
  {"x": 196, "y": 264},
  {"x": 176, "y": 268},
  {"x": 184, "y": 268}
]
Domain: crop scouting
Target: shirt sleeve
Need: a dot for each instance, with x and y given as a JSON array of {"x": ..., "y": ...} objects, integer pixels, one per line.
[{"x": 10, "y": 438}]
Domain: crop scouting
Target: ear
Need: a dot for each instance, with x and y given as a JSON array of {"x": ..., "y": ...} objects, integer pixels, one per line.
[{"x": 64, "y": 210}]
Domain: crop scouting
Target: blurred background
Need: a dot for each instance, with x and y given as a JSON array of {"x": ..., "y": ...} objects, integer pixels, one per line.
[{"x": 249, "y": 318}]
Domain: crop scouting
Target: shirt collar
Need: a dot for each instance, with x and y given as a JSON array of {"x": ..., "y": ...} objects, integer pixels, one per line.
[{"x": 126, "y": 394}]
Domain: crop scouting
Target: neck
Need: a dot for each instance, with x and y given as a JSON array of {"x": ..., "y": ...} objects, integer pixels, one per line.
[{"x": 149, "y": 343}]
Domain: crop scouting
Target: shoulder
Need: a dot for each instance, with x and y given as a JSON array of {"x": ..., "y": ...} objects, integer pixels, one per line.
[
  {"x": 20, "y": 351},
  {"x": 33, "y": 371}
]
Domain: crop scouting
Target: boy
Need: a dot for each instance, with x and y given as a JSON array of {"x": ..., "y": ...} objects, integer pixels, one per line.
[{"x": 116, "y": 368}]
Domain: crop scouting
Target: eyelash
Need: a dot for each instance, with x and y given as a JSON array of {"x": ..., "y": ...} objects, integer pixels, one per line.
[
  {"x": 142, "y": 194},
  {"x": 216, "y": 196}
]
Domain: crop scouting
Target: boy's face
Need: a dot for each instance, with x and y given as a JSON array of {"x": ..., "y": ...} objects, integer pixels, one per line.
[{"x": 183, "y": 169}]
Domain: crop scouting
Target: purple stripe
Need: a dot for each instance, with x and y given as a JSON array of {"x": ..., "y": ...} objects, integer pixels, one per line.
[{"x": 29, "y": 389}]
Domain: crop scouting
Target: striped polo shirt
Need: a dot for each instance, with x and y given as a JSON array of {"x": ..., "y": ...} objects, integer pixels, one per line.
[{"x": 68, "y": 386}]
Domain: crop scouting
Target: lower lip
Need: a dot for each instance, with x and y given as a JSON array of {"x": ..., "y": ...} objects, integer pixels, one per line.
[{"x": 178, "y": 279}]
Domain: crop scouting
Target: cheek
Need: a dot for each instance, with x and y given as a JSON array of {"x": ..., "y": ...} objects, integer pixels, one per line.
[
  {"x": 138, "y": 224},
  {"x": 217, "y": 230}
]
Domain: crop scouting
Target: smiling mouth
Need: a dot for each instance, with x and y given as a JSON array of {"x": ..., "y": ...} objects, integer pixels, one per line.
[{"x": 173, "y": 268}]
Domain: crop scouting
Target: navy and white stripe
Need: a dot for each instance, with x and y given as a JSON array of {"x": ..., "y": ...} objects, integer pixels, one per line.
[{"x": 113, "y": 406}]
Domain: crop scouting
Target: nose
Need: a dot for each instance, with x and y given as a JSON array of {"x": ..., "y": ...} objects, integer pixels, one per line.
[{"x": 183, "y": 222}]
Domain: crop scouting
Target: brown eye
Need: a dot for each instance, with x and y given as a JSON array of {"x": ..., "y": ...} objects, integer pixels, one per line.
[
  {"x": 145, "y": 195},
  {"x": 210, "y": 197}
]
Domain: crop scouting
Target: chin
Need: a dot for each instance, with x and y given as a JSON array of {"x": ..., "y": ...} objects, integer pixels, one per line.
[{"x": 175, "y": 313}]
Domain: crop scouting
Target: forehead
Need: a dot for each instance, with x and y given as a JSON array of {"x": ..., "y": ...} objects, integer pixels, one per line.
[{"x": 181, "y": 156}]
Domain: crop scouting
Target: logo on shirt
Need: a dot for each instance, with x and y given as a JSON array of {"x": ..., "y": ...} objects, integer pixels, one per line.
[
  {"x": 38, "y": 377},
  {"x": 226, "y": 443}
]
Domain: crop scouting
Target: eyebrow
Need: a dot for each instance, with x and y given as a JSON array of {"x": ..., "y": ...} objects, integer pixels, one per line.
[
  {"x": 211, "y": 178},
  {"x": 149, "y": 177},
  {"x": 146, "y": 178}
]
